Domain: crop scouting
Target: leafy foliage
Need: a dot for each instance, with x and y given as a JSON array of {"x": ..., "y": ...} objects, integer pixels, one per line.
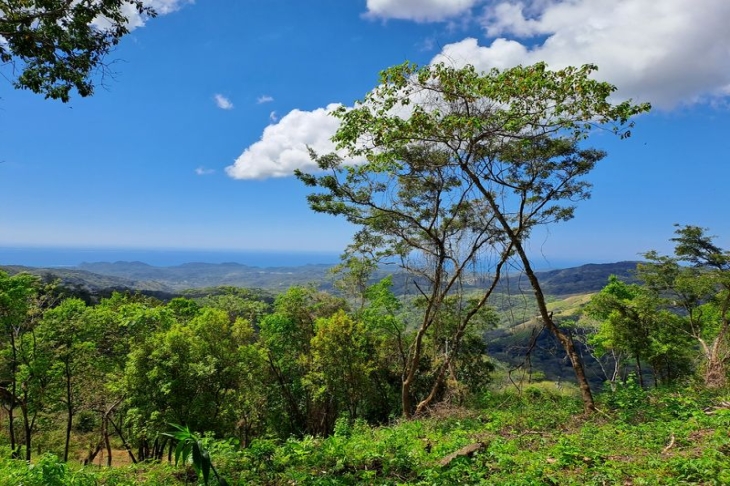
[
  {"x": 695, "y": 285},
  {"x": 58, "y": 45},
  {"x": 190, "y": 448},
  {"x": 634, "y": 325}
]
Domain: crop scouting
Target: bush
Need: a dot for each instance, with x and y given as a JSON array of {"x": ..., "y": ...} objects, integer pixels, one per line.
[{"x": 629, "y": 400}]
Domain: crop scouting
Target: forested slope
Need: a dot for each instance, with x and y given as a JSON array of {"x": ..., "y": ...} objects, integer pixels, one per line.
[{"x": 101, "y": 276}]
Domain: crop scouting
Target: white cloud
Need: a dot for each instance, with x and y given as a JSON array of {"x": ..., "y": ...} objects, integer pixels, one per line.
[
  {"x": 222, "y": 102},
  {"x": 273, "y": 118},
  {"x": 162, "y": 7},
  {"x": 135, "y": 20},
  {"x": 264, "y": 99},
  {"x": 202, "y": 171},
  {"x": 283, "y": 146},
  {"x": 667, "y": 52},
  {"x": 419, "y": 10}
]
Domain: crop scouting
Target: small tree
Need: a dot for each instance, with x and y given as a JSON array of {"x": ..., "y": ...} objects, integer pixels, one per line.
[
  {"x": 25, "y": 360},
  {"x": 16, "y": 294},
  {"x": 72, "y": 348},
  {"x": 286, "y": 340},
  {"x": 632, "y": 323},
  {"x": 197, "y": 373},
  {"x": 695, "y": 284},
  {"x": 341, "y": 365}
]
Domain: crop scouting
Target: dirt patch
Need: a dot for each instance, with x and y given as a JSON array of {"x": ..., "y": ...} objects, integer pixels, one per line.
[{"x": 120, "y": 457}]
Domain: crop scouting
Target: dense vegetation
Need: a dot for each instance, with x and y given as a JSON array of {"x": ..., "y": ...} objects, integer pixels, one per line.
[
  {"x": 446, "y": 172},
  {"x": 660, "y": 437},
  {"x": 304, "y": 387},
  {"x": 94, "y": 280}
]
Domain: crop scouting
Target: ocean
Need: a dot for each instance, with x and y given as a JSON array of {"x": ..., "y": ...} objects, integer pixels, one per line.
[{"x": 71, "y": 257}]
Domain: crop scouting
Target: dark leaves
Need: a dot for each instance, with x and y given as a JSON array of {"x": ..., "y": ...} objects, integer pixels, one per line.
[{"x": 55, "y": 46}]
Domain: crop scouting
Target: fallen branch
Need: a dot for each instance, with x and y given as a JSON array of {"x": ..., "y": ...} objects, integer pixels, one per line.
[{"x": 467, "y": 451}]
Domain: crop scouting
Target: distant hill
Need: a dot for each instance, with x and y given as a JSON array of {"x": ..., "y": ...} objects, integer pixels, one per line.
[
  {"x": 101, "y": 277},
  {"x": 585, "y": 278},
  {"x": 198, "y": 275},
  {"x": 90, "y": 286}
]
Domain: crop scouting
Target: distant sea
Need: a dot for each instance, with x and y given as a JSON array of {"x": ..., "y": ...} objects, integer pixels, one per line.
[{"x": 71, "y": 257}]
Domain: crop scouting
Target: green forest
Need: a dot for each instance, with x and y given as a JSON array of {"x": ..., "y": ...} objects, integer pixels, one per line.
[{"x": 446, "y": 173}]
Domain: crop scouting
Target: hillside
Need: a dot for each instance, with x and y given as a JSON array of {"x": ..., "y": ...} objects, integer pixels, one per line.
[
  {"x": 101, "y": 277},
  {"x": 88, "y": 285},
  {"x": 586, "y": 278},
  {"x": 198, "y": 275}
]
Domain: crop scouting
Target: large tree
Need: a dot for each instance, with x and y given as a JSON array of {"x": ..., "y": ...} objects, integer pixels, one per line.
[
  {"x": 446, "y": 165},
  {"x": 56, "y": 46}
]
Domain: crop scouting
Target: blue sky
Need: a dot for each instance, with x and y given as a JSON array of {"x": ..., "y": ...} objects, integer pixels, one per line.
[{"x": 189, "y": 143}]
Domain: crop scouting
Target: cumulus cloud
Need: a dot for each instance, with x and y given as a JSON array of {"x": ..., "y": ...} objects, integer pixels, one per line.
[
  {"x": 202, "y": 171},
  {"x": 283, "y": 146},
  {"x": 222, "y": 102},
  {"x": 419, "y": 10},
  {"x": 264, "y": 99},
  {"x": 669, "y": 53}
]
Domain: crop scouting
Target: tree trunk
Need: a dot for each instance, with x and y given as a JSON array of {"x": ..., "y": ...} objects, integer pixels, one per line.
[
  {"x": 124, "y": 441},
  {"x": 107, "y": 443},
  {"x": 406, "y": 401},
  {"x": 69, "y": 411},
  {"x": 515, "y": 238},
  {"x": 14, "y": 453},
  {"x": 569, "y": 346},
  {"x": 69, "y": 423},
  {"x": 14, "y": 446},
  {"x": 28, "y": 424},
  {"x": 715, "y": 372},
  {"x": 414, "y": 361},
  {"x": 565, "y": 340},
  {"x": 92, "y": 454},
  {"x": 639, "y": 371},
  {"x": 28, "y": 435}
]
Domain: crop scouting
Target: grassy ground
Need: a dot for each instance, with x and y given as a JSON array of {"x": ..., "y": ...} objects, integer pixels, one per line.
[{"x": 536, "y": 437}]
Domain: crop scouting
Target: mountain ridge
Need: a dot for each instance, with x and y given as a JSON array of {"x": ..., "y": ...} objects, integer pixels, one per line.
[{"x": 97, "y": 277}]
